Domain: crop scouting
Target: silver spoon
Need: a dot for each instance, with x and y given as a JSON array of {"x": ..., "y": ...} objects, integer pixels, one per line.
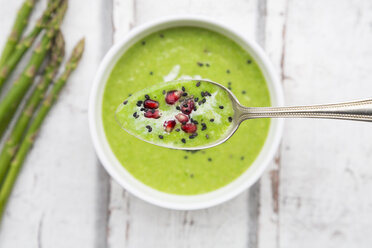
[{"x": 356, "y": 110}]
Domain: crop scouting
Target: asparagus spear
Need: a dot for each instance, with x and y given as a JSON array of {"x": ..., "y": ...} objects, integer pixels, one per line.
[
  {"x": 19, "y": 26},
  {"x": 12, "y": 60},
  {"x": 12, "y": 143},
  {"x": 31, "y": 133},
  {"x": 9, "y": 104}
]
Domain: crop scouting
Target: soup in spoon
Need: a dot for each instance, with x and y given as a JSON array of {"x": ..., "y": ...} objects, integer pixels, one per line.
[{"x": 178, "y": 114}]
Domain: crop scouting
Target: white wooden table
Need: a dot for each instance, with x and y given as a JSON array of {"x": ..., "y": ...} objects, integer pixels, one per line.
[{"x": 317, "y": 191}]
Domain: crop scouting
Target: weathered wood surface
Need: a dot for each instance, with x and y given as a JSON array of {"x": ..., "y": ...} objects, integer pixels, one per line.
[{"x": 316, "y": 191}]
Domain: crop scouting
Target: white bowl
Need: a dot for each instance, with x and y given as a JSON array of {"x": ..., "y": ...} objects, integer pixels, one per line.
[{"x": 136, "y": 187}]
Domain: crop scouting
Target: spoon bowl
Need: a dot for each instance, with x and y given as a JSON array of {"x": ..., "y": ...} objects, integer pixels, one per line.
[{"x": 230, "y": 131}]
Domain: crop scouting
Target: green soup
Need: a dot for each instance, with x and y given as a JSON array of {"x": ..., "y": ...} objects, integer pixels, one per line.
[
  {"x": 182, "y": 114},
  {"x": 186, "y": 53}
]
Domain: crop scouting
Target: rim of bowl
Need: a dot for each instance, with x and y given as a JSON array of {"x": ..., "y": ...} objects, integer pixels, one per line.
[{"x": 172, "y": 201}]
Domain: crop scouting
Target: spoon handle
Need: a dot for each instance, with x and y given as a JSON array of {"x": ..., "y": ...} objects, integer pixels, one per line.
[{"x": 357, "y": 111}]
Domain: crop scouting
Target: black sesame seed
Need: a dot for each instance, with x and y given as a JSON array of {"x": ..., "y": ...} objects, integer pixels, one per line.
[
  {"x": 142, "y": 109},
  {"x": 195, "y": 108},
  {"x": 183, "y": 140},
  {"x": 200, "y": 103},
  {"x": 209, "y": 159},
  {"x": 207, "y": 64},
  {"x": 177, "y": 130},
  {"x": 211, "y": 120},
  {"x": 184, "y": 94},
  {"x": 139, "y": 103},
  {"x": 243, "y": 92},
  {"x": 204, "y": 100},
  {"x": 183, "y": 88},
  {"x": 249, "y": 61},
  {"x": 151, "y": 73},
  {"x": 185, "y": 105},
  {"x": 207, "y": 93},
  {"x": 200, "y": 64},
  {"x": 193, "y": 135},
  {"x": 178, "y": 108},
  {"x": 161, "y": 137},
  {"x": 227, "y": 71},
  {"x": 221, "y": 107},
  {"x": 207, "y": 136},
  {"x": 147, "y": 97},
  {"x": 143, "y": 43},
  {"x": 198, "y": 84},
  {"x": 230, "y": 119},
  {"x": 242, "y": 158},
  {"x": 202, "y": 93},
  {"x": 135, "y": 115},
  {"x": 196, "y": 99},
  {"x": 163, "y": 92},
  {"x": 149, "y": 128},
  {"x": 204, "y": 126},
  {"x": 125, "y": 102}
]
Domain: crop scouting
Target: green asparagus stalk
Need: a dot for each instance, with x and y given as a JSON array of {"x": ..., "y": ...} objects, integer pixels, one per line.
[
  {"x": 35, "y": 125},
  {"x": 19, "y": 26},
  {"x": 12, "y": 143},
  {"x": 9, "y": 104},
  {"x": 20, "y": 49}
]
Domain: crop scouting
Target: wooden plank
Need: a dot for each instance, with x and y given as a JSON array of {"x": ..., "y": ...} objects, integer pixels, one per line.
[
  {"x": 119, "y": 224},
  {"x": 326, "y": 165},
  {"x": 58, "y": 197},
  {"x": 134, "y": 223},
  {"x": 273, "y": 41}
]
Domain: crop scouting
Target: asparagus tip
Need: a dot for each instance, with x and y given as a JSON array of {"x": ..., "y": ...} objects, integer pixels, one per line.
[
  {"x": 59, "y": 40},
  {"x": 76, "y": 54},
  {"x": 58, "y": 49},
  {"x": 78, "y": 50},
  {"x": 56, "y": 21}
]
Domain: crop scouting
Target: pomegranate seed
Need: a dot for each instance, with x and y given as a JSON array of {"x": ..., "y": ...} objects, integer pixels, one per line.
[
  {"x": 154, "y": 114},
  {"x": 189, "y": 128},
  {"x": 182, "y": 118},
  {"x": 173, "y": 96},
  {"x": 187, "y": 106},
  {"x": 169, "y": 125},
  {"x": 151, "y": 104}
]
